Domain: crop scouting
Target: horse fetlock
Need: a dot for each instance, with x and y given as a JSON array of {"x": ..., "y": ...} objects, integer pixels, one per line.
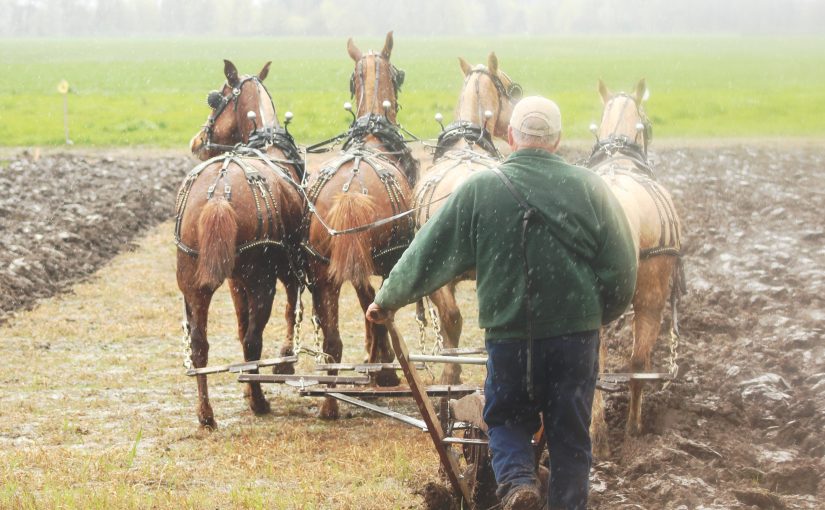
[
  {"x": 329, "y": 409},
  {"x": 387, "y": 377},
  {"x": 205, "y": 416},
  {"x": 451, "y": 374}
]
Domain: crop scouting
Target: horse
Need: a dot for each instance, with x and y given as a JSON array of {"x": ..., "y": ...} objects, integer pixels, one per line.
[
  {"x": 357, "y": 227},
  {"x": 236, "y": 218},
  {"x": 620, "y": 157},
  {"x": 464, "y": 147}
]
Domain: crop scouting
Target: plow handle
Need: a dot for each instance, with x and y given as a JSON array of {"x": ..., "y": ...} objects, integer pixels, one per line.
[{"x": 448, "y": 461}]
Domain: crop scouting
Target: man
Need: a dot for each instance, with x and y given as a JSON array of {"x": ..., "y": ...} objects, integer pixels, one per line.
[{"x": 546, "y": 282}]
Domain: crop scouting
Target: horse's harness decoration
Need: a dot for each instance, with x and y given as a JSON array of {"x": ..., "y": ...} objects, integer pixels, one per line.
[
  {"x": 380, "y": 162},
  {"x": 470, "y": 132}
]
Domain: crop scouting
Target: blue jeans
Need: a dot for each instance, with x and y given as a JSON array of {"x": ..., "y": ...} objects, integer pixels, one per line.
[{"x": 565, "y": 369}]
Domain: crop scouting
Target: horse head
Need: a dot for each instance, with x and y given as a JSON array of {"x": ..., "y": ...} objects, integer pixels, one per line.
[
  {"x": 242, "y": 107},
  {"x": 487, "y": 89},
  {"x": 623, "y": 117},
  {"x": 375, "y": 80}
]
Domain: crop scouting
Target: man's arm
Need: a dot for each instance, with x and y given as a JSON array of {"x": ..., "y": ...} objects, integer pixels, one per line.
[{"x": 443, "y": 249}]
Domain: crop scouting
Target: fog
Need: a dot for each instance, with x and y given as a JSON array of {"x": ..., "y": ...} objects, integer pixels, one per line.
[{"x": 128, "y": 18}]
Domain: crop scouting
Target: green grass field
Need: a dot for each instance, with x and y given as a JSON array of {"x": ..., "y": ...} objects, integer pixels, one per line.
[{"x": 152, "y": 92}]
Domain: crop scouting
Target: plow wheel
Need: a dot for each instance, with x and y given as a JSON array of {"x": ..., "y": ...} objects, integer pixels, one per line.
[{"x": 479, "y": 472}]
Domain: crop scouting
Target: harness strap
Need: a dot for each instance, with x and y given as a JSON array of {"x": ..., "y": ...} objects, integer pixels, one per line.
[{"x": 528, "y": 213}]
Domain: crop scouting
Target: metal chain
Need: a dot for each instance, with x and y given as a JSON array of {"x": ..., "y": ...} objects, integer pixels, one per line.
[
  {"x": 186, "y": 341},
  {"x": 422, "y": 329},
  {"x": 299, "y": 318},
  {"x": 439, "y": 339},
  {"x": 674, "y": 352}
]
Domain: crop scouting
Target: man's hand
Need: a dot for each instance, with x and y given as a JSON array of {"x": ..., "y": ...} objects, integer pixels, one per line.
[{"x": 378, "y": 315}]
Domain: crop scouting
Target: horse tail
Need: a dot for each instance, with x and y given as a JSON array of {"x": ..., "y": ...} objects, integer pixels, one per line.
[
  {"x": 217, "y": 234},
  {"x": 350, "y": 254}
]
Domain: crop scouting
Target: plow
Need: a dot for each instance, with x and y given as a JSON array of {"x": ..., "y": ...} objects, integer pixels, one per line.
[{"x": 451, "y": 415}]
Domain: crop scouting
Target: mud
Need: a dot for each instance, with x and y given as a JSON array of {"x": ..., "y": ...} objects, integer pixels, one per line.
[{"x": 740, "y": 428}]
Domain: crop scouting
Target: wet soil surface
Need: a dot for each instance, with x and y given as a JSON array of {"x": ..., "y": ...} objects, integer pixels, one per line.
[{"x": 742, "y": 427}]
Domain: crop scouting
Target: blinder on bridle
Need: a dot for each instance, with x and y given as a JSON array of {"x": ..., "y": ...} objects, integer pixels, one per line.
[
  {"x": 512, "y": 92},
  {"x": 215, "y": 99}
]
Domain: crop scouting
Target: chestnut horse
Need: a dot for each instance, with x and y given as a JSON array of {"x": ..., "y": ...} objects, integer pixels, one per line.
[
  {"x": 368, "y": 182},
  {"x": 464, "y": 147},
  {"x": 237, "y": 215},
  {"x": 620, "y": 157}
]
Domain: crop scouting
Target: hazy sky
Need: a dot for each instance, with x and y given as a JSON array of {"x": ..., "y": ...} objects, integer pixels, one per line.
[{"x": 78, "y": 18}]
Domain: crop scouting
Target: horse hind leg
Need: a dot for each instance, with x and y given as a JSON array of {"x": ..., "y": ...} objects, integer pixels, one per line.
[
  {"x": 325, "y": 301},
  {"x": 253, "y": 305},
  {"x": 197, "y": 312},
  {"x": 378, "y": 341},
  {"x": 288, "y": 347},
  {"x": 451, "y": 322},
  {"x": 652, "y": 292},
  {"x": 598, "y": 424}
]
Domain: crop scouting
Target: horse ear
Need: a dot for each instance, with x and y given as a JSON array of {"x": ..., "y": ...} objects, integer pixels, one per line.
[
  {"x": 465, "y": 67},
  {"x": 492, "y": 63},
  {"x": 641, "y": 91},
  {"x": 353, "y": 50},
  {"x": 231, "y": 73},
  {"x": 264, "y": 72},
  {"x": 605, "y": 93},
  {"x": 387, "y": 51}
]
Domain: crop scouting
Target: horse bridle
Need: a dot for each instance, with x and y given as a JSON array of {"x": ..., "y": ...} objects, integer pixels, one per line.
[
  {"x": 218, "y": 102},
  {"x": 396, "y": 75},
  {"x": 647, "y": 129},
  {"x": 512, "y": 93}
]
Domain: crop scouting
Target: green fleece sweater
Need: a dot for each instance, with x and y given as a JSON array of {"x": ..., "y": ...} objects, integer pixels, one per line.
[{"x": 581, "y": 254}]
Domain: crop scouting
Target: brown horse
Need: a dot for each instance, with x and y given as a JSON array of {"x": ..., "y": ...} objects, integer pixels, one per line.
[
  {"x": 464, "y": 147},
  {"x": 237, "y": 215},
  {"x": 368, "y": 181},
  {"x": 620, "y": 157}
]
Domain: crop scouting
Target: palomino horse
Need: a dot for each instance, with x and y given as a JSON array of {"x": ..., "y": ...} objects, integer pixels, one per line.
[
  {"x": 237, "y": 216},
  {"x": 620, "y": 157},
  {"x": 464, "y": 147},
  {"x": 367, "y": 183}
]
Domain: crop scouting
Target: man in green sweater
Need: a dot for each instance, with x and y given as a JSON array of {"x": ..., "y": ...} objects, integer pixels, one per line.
[{"x": 554, "y": 260}]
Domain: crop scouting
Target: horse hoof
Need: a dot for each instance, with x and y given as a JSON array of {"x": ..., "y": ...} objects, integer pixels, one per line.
[
  {"x": 601, "y": 450},
  {"x": 633, "y": 430},
  {"x": 283, "y": 368},
  {"x": 208, "y": 423},
  {"x": 387, "y": 377},
  {"x": 329, "y": 411},
  {"x": 260, "y": 408}
]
